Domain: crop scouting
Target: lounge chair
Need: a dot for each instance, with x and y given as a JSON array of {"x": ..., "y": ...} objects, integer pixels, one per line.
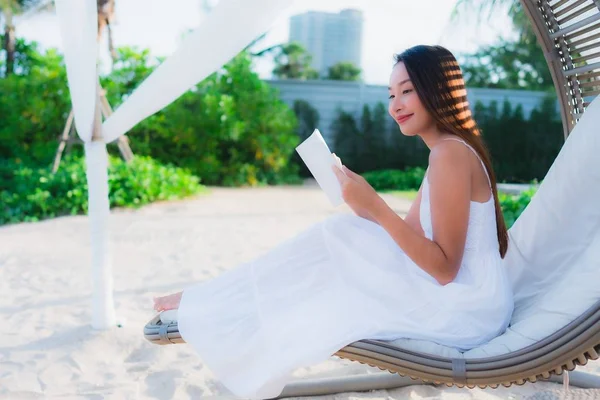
[{"x": 553, "y": 260}]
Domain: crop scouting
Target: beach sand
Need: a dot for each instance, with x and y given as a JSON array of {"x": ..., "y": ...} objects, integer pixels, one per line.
[{"x": 49, "y": 350}]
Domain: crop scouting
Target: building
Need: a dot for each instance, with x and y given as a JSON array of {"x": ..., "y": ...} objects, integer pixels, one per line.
[{"x": 329, "y": 38}]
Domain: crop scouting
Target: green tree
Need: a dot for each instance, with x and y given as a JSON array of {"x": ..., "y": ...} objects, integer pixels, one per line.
[
  {"x": 515, "y": 11},
  {"x": 344, "y": 71},
  {"x": 308, "y": 120},
  {"x": 8, "y": 9},
  {"x": 292, "y": 61},
  {"x": 362, "y": 146},
  {"x": 404, "y": 151},
  {"x": 522, "y": 148},
  {"x": 231, "y": 129},
  {"x": 510, "y": 64},
  {"x": 347, "y": 139},
  {"x": 130, "y": 68},
  {"x": 34, "y": 105},
  {"x": 376, "y": 153}
]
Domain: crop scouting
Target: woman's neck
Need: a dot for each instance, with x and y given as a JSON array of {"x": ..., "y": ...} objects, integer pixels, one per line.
[{"x": 432, "y": 137}]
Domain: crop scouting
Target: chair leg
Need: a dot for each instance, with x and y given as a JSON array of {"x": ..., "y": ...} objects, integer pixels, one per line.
[
  {"x": 357, "y": 383},
  {"x": 579, "y": 379}
]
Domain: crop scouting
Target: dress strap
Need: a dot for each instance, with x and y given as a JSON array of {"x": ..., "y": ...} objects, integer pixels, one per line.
[{"x": 477, "y": 155}]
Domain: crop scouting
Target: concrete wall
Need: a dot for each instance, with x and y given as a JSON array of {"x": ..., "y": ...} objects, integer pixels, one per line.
[{"x": 328, "y": 96}]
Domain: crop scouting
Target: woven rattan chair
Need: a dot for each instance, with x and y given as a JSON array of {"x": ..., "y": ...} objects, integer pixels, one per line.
[{"x": 569, "y": 33}]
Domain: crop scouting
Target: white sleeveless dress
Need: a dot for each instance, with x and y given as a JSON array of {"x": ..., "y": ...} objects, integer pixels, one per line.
[{"x": 342, "y": 280}]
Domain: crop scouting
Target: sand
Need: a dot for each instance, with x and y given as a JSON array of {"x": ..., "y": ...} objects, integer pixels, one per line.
[{"x": 49, "y": 350}]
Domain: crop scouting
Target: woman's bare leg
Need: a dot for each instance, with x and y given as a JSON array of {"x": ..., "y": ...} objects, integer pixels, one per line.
[{"x": 169, "y": 302}]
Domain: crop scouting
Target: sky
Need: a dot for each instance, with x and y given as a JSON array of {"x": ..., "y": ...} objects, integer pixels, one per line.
[{"x": 389, "y": 27}]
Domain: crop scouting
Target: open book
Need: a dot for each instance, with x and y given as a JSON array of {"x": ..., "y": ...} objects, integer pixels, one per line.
[{"x": 318, "y": 158}]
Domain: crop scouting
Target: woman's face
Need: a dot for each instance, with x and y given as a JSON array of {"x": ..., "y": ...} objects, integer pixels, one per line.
[{"x": 404, "y": 104}]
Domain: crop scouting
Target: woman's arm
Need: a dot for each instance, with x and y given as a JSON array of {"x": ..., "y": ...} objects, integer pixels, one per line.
[
  {"x": 413, "y": 218},
  {"x": 364, "y": 214},
  {"x": 450, "y": 194}
]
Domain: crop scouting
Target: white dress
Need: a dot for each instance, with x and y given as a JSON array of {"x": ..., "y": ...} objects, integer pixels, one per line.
[{"x": 342, "y": 280}]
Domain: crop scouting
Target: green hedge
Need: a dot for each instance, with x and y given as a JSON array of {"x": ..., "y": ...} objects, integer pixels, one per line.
[
  {"x": 31, "y": 194},
  {"x": 392, "y": 179}
]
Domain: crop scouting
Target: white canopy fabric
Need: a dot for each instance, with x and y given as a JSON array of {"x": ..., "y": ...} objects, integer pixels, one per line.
[
  {"x": 231, "y": 26},
  {"x": 78, "y": 27}
]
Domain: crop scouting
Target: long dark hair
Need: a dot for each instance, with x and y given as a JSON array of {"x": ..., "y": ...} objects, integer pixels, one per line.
[{"x": 439, "y": 83}]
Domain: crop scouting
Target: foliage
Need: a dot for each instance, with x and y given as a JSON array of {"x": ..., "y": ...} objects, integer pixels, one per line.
[
  {"x": 347, "y": 140},
  {"x": 521, "y": 149},
  {"x": 372, "y": 124},
  {"x": 513, "y": 205},
  {"x": 34, "y": 106},
  {"x": 230, "y": 129},
  {"x": 129, "y": 70},
  {"x": 8, "y": 9},
  {"x": 372, "y": 142},
  {"x": 344, "y": 71},
  {"x": 292, "y": 61},
  {"x": 508, "y": 65},
  {"x": 31, "y": 194},
  {"x": 512, "y": 63},
  {"x": 393, "y": 179},
  {"x": 308, "y": 120}
]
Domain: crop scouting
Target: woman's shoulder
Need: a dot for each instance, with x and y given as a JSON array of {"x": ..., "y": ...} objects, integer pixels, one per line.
[{"x": 448, "y": 156}]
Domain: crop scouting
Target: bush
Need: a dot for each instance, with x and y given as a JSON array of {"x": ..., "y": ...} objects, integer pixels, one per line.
[
  {"x": 231, "y": 129},
  {"x": 34, "y": 106},
  {"x": 513, "y": 205},
  {"x": 31, "y": 194},
  {"x": 391, "y": 179}
]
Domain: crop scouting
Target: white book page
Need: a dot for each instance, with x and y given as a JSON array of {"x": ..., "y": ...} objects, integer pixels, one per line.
[{"x": 318, "y": 158}]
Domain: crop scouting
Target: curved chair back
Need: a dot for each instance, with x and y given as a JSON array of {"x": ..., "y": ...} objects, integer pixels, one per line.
[{"x": 569, "y": 33}]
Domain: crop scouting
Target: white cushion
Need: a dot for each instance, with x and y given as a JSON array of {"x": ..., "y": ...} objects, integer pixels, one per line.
[{"x": 168, "y": 316}]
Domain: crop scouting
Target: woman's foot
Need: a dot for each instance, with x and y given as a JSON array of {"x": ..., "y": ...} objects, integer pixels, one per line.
[{"x": 169, "y": 302}]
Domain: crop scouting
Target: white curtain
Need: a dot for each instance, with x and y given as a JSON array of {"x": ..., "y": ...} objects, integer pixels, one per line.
[{"x": 231, "y": 26}]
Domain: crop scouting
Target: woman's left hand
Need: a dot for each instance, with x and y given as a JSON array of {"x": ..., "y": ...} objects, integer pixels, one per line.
[{"x": 356, "y": 191}]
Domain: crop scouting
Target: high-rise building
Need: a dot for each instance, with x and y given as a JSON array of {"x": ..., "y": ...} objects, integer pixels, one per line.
[{"x": 329, "y": 38}]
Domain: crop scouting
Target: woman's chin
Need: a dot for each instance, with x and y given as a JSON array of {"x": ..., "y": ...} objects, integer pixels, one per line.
[{"x": 407, "y": 131}]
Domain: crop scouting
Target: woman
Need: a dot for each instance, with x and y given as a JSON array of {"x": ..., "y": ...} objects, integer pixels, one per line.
[{"x": 435, "y": 275}]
